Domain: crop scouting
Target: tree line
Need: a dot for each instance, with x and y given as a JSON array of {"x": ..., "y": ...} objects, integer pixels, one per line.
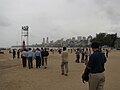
[{"x": 105, "y": 39}]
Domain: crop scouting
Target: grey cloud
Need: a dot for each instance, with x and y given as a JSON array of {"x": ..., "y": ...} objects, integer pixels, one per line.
[
  {"x": 57, "y": 19},
  {"x": 4, "y": 21},
  {"x": 72, "y": 0},
  {"x": 111, "y": 9},
  {"x": 113, "y": 16},
  {"x": 115, "y": 29}
]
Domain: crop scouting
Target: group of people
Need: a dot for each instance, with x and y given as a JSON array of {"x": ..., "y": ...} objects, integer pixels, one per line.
[
  {"x": 40, "y": 55},
  {"x": 94, "y": 71},
  {"x": 14, "y": 53},
  {"x": 84, "y": 53},
  {"x": 94, "y": 59},
  {"x": 95, "y": 67}
]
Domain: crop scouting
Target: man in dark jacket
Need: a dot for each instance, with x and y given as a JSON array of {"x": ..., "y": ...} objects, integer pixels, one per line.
[
  {"x": 94, "y": 71},
  {"x": 42, "y": 61},
  {"x": 45, "y": 57}
]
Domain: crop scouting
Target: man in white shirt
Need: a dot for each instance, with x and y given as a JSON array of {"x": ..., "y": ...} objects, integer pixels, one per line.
[
  {"x": 24, "y": 57},
  {"x": 64, "y": 63}
]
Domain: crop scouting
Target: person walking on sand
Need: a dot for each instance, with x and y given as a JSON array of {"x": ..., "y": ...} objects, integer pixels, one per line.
[
  {"x": 30, "y": 58},
  {"x": 45, "y": 57},
  {"x": 83, "y": 54},
  {"x": 64, "y": 63},
  {"x": 42, "y": 61},
  {"x": 107, "y": 53},
  {"x": 94, "y": 71},
  {"x": 14, "y": 54},
  {"x": 86, "y": 56},
  {"x": 77, "y": 55},
  {"x": 24, "y": 57},
  {"x": 38, "y": 57},
  {"x": 18, "y": 53}
]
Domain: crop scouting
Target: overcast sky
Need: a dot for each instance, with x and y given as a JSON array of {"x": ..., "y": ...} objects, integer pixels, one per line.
[{"x": 56, "y": 19}]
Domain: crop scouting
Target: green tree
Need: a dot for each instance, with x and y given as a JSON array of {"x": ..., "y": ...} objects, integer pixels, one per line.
[
  {"x": 100, "y": 38},
  {"x": 105, "y": 39}
]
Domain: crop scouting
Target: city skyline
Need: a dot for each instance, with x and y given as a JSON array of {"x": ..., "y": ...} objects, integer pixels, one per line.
[{"x": 80, "y": 41}]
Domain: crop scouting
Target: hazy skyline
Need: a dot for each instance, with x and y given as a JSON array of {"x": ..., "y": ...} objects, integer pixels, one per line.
[{"x": 57, "y": 19}]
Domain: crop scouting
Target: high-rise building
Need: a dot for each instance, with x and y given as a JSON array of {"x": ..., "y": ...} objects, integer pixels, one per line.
[
  {"x": 43, "y": 40},
  {"x": 79, "y": 38},
  {"x": 73, "y": 38},
  {"x": 84, "y": 38},
  {"x": 47, "y": 40}
]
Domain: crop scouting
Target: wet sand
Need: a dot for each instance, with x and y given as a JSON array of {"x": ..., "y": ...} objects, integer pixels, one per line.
[{"x": 14, "y": 77}]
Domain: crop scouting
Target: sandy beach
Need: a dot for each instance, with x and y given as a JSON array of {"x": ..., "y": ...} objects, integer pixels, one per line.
[{"x": 14, "y": 77}]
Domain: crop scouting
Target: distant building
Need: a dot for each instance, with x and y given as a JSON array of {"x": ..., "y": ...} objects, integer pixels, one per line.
[
  {"x": 68, "y": 40},
  {"x": 79, "y": 38},
  {"x": 73, "y": 38},
  {"x": 47, "y": 40},
  {"x": 51, "y": 42},
  {"x": 43, "y": 40},
  {"x": 84, "y": 38}
]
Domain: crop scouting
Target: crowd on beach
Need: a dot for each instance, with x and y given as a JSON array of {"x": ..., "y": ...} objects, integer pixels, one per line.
[
  {"x": 85, "y": 54},
  {"x": 27, "y": 55},
  {"x": 41, "y": 55},
  {"x": 94, "y": 59}
]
